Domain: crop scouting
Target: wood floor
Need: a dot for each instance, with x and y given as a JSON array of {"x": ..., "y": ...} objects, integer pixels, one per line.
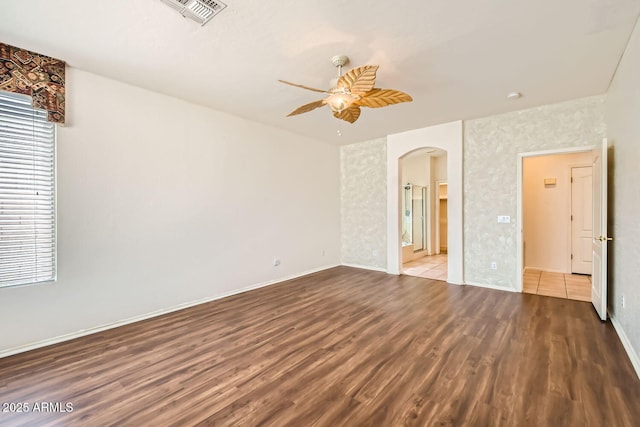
[{"x": 343, "y": 347}]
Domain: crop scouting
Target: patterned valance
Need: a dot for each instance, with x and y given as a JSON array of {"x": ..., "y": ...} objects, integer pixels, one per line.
[{"x": 38, "y": 76}]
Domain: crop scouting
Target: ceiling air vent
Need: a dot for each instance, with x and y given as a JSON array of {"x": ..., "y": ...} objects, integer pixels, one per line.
[{"x": 200, "y": 11}]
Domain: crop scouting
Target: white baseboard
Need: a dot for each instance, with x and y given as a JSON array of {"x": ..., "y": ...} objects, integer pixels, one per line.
[
  {"x": 633, "y": 356},
  {"x": 84, "y": 332},
  {"x": 496, "y": 287},
  {"x": 365, "y": 267}
]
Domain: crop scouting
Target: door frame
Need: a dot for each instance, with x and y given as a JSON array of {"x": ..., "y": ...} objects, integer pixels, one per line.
[
  {"x": 426, "y": 205},
  {"x": 437, "y": 215},
  {"x": 448, "y": 137},
  {"x": 519, "y": 213}
]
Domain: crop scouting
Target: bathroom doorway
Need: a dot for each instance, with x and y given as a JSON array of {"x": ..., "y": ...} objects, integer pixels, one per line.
[{"x": 424, "y": 213}]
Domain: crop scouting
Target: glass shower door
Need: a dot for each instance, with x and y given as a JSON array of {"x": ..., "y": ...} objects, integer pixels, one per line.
[
  {"x": 417, "y": 208},
  {"x": 407, "y": 224}
]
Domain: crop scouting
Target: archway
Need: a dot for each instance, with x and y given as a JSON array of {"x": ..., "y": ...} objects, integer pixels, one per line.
[
  {"x": 447, "y": 137},
  {"x": 424, "y": 216}
]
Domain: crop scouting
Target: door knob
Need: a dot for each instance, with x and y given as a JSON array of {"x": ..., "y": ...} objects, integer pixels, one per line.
[{"x": 604, "y": 239}]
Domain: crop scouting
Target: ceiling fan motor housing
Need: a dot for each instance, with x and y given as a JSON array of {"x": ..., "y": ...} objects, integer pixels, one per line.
[{"x": 339, "y": 60}]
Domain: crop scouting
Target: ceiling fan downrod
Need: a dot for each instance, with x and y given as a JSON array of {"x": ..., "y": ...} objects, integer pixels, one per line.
[{"x": 339, "y": 61}]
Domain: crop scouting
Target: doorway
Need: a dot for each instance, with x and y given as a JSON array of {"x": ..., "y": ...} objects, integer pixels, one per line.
[
  {"x": 423, "y": 175},
  {"x": 447, "y": 137},
  {"x": 555, "y": 208}
]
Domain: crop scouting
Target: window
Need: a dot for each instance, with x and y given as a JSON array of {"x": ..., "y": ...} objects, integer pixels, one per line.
[{"x": 27, "y": 197}]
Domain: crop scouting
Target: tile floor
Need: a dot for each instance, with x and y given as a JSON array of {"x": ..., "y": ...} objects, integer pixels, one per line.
[
  {"x": 429, "y": 267},
  {"x": 569, "y": 286}
]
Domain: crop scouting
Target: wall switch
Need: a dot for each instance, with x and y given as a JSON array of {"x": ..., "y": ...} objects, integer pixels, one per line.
[
  {"x": 504, "y": 219},
  {"x": 322, "y": 252},
  {"x": 494, "y": 265},
  {"x": 276, "y": 262},
  {"x": 622, "y": 301}
]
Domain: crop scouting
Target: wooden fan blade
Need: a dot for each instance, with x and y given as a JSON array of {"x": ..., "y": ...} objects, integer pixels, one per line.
[
  {"x": 350, "y": 115},
  {"x": 303, "y": 86},
  {"x": 377, "y": 98},
  {"x": 307, "y": 107},
  {"x": 360, "y": 80}
]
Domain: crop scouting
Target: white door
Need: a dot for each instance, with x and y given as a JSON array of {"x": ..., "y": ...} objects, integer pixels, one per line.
[
  {"x": 599, "y": 278},
  {"x": 581, "y": 219}
]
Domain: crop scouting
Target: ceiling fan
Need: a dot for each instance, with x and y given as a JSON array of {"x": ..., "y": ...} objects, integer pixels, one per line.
[{"x": 351, "y": 91}]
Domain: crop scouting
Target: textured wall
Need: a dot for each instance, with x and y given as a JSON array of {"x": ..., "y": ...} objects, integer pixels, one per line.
[
  {"x": 623, "y": 104},
  {"x": 363, "y": 208},
  {"x": 491, "y": 147}
]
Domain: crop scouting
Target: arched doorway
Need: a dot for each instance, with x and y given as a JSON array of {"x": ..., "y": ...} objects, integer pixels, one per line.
[
  {"x": 423, "y": 174},
  {"x": 447, "y": 137}
]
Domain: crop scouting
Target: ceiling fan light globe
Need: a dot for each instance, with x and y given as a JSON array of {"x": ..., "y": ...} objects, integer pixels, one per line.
[{"x": 340, "y": 101}]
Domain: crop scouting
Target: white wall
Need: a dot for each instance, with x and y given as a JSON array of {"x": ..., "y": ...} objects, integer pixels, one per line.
[
  {"x": 416, "y": 169},
  {"x": 440, "y": 168},
  {"x": 623, "y": 128},
  {"x": 547, "y": 210},
  {"x": 162, "y": 202}
]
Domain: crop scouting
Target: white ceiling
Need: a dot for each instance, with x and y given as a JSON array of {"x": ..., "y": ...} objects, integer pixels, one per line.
[{"x": 458, "y": 59}]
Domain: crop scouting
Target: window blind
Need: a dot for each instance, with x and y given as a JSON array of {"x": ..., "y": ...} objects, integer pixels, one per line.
[{"x": 27, "y": 197}]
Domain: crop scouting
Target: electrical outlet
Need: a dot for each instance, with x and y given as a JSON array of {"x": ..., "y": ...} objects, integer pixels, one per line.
[
  {"x": 504, "y": 219},
  {"x": 494, "y": 265},
  {"x": 276, "y": 262}
]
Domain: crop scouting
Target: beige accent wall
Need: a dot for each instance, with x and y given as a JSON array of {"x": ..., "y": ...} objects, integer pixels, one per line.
[
  {"x": 491, "y": 148},
  {"x": 363, "y": 203},
  {"x": 623, "y": 124}
]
